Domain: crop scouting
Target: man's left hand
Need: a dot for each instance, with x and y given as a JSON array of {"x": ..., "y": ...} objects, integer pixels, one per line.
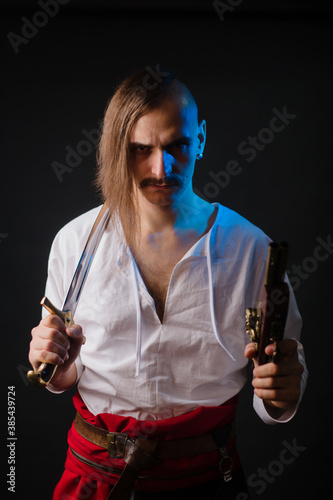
[{"x": 278, "y": 384}]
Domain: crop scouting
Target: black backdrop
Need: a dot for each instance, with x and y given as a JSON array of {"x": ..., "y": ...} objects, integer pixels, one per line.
[{"x": 245, "y": 64}]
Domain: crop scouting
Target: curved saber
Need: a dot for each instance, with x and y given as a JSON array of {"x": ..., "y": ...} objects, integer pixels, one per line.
[{"x": 43, "y": 375}]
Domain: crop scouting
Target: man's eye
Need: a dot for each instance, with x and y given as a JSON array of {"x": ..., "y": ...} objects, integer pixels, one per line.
[
  {"x": 140, "y": 148},
  {"x": 182, "y": 145}
]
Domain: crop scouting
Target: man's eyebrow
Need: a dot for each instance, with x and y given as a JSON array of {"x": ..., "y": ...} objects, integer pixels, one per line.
[
  {"x": 139, "y": 144},
  {"x": 184, "y": 138},
  {"x": 135, "y": 143}
]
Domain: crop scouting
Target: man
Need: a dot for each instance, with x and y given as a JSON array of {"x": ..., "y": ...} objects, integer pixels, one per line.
[{"x": 163, "y": 313}]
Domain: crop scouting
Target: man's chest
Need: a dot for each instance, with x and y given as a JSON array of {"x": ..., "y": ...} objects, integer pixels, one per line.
[
  {"x": 156, "y": 271},
  {"x": 156, "y": 259}
]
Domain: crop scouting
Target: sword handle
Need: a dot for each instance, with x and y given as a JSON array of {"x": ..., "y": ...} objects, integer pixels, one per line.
[{"x": 43, "y": 375}]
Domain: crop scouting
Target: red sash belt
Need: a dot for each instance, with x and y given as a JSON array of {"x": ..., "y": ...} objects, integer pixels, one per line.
[{"x": 171, "y": 473}]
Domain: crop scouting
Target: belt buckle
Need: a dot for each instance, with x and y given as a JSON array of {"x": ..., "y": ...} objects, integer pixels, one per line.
[
  {"x": 226, "y": 464},
  {"x": 111, "y": 440},
  {"x": 114, "y": 439}
]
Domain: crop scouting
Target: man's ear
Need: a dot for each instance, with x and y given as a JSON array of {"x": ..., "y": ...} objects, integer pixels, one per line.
[{"x": 202, "y": 136}]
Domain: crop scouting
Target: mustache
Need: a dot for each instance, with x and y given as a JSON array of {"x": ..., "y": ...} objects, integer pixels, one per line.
[{"x": 172, "y": 179}]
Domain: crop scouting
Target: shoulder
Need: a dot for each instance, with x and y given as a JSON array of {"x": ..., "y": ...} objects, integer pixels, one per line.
[
  {"x": 80, "y": 225},
  {"x": 229, "y": 220},
  {"x": 238, "y": 233},
  {"x": 71, "y": 238}
]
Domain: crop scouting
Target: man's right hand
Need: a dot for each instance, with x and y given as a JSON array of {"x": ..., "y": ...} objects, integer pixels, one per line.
[{"x": 53, "y": 343}]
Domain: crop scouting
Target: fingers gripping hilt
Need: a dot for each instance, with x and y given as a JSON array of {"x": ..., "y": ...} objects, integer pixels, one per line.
[{"x": 45, "y": 372}]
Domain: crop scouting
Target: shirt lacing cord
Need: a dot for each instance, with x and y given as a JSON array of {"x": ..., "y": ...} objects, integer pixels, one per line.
[
  {"x": 218, "y": 335},
  {"x": 138, "y": 318}
]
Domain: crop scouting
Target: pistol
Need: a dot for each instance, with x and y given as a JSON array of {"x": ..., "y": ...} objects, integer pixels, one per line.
[{"x": 266, "y": 324}]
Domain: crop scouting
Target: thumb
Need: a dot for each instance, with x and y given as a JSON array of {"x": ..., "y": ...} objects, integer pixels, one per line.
[
  {"x": 76, "y": 338},
  {"x": 75, "y": 333},
  {"x": 251, "y": 353}
]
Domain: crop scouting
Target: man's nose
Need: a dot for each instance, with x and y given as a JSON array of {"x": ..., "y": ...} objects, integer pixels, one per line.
[{"x": 161, "y": 163}]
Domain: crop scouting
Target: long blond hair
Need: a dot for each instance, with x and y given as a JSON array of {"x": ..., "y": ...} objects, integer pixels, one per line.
[{"x": 133, "y": 98}]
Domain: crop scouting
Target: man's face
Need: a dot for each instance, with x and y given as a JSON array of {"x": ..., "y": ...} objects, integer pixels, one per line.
[{"x": 164, "y": 144}]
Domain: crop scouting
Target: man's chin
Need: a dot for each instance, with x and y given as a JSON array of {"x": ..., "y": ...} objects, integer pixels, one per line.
[{"x": 160, "y": 197}]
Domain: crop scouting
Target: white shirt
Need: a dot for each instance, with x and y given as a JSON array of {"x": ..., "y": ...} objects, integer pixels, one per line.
[{"x": 134, "y": 365}]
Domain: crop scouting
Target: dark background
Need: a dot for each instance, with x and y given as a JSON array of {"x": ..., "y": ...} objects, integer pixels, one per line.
[{"x": 262, "y": 55}]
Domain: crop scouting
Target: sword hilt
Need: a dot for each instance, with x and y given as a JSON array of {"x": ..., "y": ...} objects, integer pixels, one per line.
[
  {"x": 43, "y": 375},
  {"x": 65, "y": 316}
]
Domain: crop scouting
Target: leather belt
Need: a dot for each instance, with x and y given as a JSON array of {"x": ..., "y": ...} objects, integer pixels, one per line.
[
  {"x": 140, "y": 453},
  {"x": 116, "y": 442}
]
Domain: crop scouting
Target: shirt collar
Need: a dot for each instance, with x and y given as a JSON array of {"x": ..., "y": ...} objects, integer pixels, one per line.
[{"x": 198, "y": 249}]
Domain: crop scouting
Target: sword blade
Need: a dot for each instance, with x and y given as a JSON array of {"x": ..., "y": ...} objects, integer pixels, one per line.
[
  {"x": 43, "y": 375},
  {"x": 82, "y": 269}
]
